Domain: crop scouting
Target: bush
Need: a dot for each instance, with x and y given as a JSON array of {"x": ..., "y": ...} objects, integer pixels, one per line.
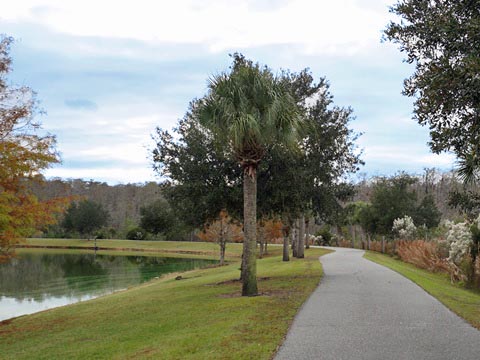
[
  {"x": 425, "y": 255},
  {"x": 404, "y": 228},
  {"x": 136, "y": 233},
  {"x": 324, "y": 236},
  {"x": 106, "y": 233}
]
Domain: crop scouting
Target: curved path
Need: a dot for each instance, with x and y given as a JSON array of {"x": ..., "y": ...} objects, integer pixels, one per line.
[{"x": 362, "y": 310}]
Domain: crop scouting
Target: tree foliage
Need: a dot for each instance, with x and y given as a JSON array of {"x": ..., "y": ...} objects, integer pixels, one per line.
[
  {"x": 24, "y": 152},
  {"x": 442, "y": 39},
  {"x": 201, "y": 179},
  {"x": 157, "y": 217},
  {"x": 394, "y": 198},
  {"x": 85, "y": 217}
]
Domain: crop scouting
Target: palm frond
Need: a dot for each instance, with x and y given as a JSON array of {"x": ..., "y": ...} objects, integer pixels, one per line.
[{"x": 468, "y": 168}]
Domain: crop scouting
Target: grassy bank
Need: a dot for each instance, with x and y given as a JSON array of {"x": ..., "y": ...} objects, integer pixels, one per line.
[
  {"x": 463, "y": 302},
  {"x": 158, "y": 248},
  {"x": 202, "y": 316}
]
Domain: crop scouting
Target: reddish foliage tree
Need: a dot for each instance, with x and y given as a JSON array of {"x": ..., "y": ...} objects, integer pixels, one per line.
[{"x": 23, "y": 154}]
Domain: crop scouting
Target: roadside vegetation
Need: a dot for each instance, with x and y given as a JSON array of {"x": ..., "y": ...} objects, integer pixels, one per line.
[
  {"x": 202, "y": 316},
  {"x": 463, "y": 302}
]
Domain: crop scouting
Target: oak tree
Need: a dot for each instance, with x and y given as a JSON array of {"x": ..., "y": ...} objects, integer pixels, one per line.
[{"x": 442, "y": 39}]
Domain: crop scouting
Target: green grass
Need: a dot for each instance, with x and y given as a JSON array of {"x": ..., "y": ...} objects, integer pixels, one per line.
[
  {"x": 202, "y": 316},
  {"x": 158, "y": 248},
  {"x": 463, "y": 302}
]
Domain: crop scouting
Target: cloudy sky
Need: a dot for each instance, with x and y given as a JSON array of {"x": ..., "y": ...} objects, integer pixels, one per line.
[{"x": 108, "y": 72}]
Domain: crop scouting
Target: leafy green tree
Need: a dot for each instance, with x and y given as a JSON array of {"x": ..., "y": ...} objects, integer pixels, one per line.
[
  {"x": 441, "y": 38},
  {"x": 202, "y": 179},
  {"x": 157, "y": 217},
  {"x": 85, "y": 217},
  {"x": 467, "y": 201},
  {"x": 427, "y": 213},
  {"x": 366, "y": 217},
  {"x": 308, "y": 181},
  {"x": 248, "y": 108},
  {"x": 392, "y": 198}
]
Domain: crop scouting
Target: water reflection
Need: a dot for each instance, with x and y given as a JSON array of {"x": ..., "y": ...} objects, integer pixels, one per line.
[{"x": 38, "y": 281}]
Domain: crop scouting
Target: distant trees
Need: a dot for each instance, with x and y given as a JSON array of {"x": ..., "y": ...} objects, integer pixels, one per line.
[
  {"x": 441, "y": 38},
  {"x": 394, "y": 198},
  {"x": 24, "y": 152},
  {"x": 85, "y": 217}
]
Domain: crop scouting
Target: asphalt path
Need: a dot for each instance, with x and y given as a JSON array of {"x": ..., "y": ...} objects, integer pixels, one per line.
[{"x": 362, "y": 310}]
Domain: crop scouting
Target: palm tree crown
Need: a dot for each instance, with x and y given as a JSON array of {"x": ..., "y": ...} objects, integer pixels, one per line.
[{"x": 249, "y": 109}]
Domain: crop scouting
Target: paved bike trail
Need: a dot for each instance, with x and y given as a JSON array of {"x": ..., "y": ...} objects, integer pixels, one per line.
[{"x": 362, "y": 310}]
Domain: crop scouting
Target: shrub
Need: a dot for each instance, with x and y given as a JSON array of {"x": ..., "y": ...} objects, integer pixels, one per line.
[
  {"x": 324, "y": 237},
  {"x": 136, "y": 233},
  {"x": 460, "y": 238},
  {"x": 404, "y": 227},
  {"x": 425, "y": 255}
]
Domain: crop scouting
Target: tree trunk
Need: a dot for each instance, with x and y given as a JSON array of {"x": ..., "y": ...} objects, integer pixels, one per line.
[
  {"x": 249, "y": 268},
  {"x": 301, "y": 238},
  {"x": 222, "y": 243},
  {"x": 286, "y": 255},
  {"x": 307, "y": 233},
  {"x": 368, "y": 242},
  {"x": 222, "y": 252},
  {"x": 294, "y": 239},
  {"x": 383, "y": 244},
  {"x": 353, "y": 236},
  {"x": 260, "y": 255}
]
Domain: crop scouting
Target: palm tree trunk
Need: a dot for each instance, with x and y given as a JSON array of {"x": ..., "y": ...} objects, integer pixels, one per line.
[
  {"x": 301, "y": 238},
  {"x": 249, "y": 268}
]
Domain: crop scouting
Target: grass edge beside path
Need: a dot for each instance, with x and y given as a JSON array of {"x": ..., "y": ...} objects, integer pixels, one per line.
[
  {"x": 200, "y": 317},
  {"x": 463, "y": 302}
]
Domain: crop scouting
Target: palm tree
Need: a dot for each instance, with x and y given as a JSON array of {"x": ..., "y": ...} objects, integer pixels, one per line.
[{"x": 249, "y": 109}]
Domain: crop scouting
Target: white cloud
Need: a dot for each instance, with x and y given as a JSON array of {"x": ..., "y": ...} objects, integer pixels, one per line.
[
  {"x": 414, "y": 155},
  {"x": 109, "y": 175},
  {"x": 320, "y": 27}
]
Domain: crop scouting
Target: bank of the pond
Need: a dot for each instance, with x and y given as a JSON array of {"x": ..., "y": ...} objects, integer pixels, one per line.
[
  {"x": 201, "y": 316},
  {"x": 463, "y": 302}
]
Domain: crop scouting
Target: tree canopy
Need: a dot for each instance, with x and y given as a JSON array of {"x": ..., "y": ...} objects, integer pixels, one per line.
[
  {"x": 442, "y": 39},
  {"x": 24, "y": 153},
  {"x": 85, "y": 217}
]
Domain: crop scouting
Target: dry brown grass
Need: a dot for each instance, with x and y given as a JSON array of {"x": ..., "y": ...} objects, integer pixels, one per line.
[{"x": 425, "y": 255}]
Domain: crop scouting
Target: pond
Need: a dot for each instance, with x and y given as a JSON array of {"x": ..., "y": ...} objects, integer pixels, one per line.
[{"x": 37, "y": 281}]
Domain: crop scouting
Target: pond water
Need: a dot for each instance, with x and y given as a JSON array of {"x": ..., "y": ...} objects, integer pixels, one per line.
[{"x": 39, "y": 281}]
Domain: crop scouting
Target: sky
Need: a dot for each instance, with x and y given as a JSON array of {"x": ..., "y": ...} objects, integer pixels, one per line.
[{"x": 108, "y": 73}]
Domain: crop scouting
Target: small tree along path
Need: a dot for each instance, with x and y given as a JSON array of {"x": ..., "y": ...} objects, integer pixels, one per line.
[{"x": 362, "y": 310}]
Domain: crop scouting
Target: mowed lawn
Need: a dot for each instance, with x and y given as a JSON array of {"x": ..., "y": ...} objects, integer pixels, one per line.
[
  {"x": 201, "y": 316},
  {"x": 157, "y": 248},
  {"x": 463, "y": 302}
]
